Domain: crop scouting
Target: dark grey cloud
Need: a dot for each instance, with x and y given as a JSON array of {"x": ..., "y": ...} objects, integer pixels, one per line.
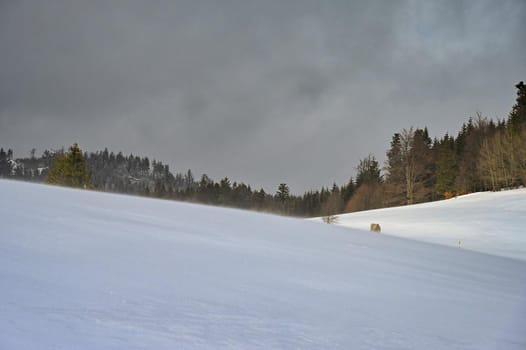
[{"x": 261, "y": 91}]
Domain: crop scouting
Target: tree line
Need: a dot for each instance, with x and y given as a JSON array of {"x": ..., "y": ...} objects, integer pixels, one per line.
[
  {"x": 114, "y": 172},
  {"x": 484, "y": 155}
]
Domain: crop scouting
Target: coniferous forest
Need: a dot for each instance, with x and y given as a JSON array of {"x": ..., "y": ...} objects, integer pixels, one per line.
[{"x": 485, "y": 155}]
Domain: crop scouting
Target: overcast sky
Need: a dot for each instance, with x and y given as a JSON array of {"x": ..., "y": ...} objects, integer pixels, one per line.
[{"x": 260, "y": 91}]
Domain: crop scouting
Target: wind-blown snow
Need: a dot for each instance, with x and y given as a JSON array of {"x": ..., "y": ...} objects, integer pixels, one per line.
[
  {"x": 88, "y": 270},
  {"x": 489, "y": 222}
]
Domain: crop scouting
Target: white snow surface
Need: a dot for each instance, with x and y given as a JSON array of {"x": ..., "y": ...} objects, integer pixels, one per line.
[
  {"x": 489, "y": 222},
  {"x": 89, "y": 270}
]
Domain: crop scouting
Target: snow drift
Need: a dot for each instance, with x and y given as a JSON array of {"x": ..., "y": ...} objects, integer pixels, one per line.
[{"x": 88, "y": 270}]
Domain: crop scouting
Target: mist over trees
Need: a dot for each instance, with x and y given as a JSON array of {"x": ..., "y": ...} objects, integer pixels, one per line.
[{"x": 484, "y": 155}]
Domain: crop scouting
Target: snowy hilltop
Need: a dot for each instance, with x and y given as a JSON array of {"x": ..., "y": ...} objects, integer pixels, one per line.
[
  {"x": 90, "y": 270},
  {"x": 489, "y": 222}
]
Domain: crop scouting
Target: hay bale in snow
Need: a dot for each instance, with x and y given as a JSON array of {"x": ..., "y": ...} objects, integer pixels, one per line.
[{"x": 376, "y": 228}]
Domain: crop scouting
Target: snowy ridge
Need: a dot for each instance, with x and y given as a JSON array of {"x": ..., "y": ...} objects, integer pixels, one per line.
[
  {"x": 88, "y": 270},
  {"x": 489, "y": 222}
]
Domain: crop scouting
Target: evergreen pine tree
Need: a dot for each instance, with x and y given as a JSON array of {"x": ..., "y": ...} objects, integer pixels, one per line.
[
  {"x": 368, "y": 171},
  {"x": 517, "y": 117},
  {"x": 282, "y": 196},
  {"x": 446, "y": 168},
  {"x": 395, "y": 176},
  {"x": 5, "y": 168},
  {"x": 283, "y": 192},
  {"x": 70, "y": 169},
  {"x": 348, "y": 190}
]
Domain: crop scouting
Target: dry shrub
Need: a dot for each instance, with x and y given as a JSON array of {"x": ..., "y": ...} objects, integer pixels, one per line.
[
  {"x": 367, "y": 196},
  {"x": 449, "y": 195}
]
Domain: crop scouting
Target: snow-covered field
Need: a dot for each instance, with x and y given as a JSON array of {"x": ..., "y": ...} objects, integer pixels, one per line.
[
  {"x": 87, "y": 270},
  {"x": 493, "y": 223}
]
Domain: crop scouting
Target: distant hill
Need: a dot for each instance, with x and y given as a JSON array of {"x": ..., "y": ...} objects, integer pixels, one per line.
[{"x": 489, "y": 222}]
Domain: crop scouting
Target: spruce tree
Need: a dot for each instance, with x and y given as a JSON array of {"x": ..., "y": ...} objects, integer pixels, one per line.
[
  {"x": 395, "y": 175},
  {"x": 368, "y": 171},
  {"x": 5, "y": 169},
  {"x": 283, "y": 192},
  {"x": 517, "y": 117},
  {"x": 348, "y": 190},
  {"x": 446, "y": 168},
  {"x": 282, "y": 197},
  {"x": 70, "y": 169}
]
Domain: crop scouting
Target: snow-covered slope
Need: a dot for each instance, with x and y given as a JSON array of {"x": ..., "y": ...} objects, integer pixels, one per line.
[
  {"x": 87, "y": 270},
  {"x": 489, "y": 222}
]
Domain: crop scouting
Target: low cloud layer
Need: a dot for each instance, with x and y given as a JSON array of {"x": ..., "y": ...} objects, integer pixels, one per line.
[{"x": 263, "y": 92}]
